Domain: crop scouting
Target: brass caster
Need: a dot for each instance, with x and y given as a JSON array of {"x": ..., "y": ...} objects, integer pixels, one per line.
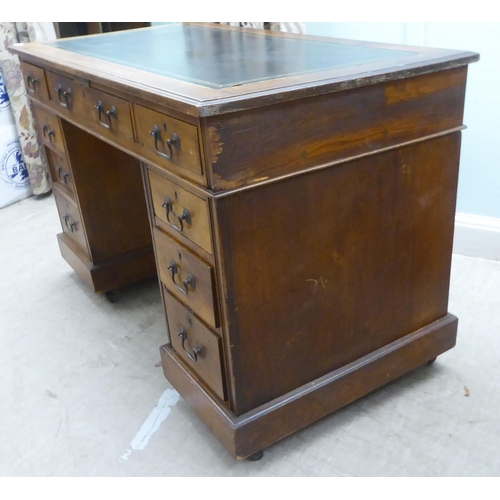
[{"x": 256, "y": 456}]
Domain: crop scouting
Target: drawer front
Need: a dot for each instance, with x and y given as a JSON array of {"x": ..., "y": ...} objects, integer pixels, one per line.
[
  {"x": 60, "y": 171},
  {"x": 71, "y": 221},
  {"x": 105, "y": 113},
  {"x": 183, "y": 211},
  {"x": 155, "y": 130},
  {"x": 49, "y": 129},
  {"x": 195, "y": 343},
  {"x": 187, "y": 277},
  {"x": 35, "y": 81},
  {"x": 64, "y": 93},
  {"x": 110, "y": 115}
]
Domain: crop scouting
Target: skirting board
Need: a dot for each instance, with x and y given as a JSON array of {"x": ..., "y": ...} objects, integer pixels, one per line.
[{"x": 477, "y": 236}]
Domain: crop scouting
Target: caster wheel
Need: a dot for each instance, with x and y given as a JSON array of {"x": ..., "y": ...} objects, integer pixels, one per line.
[
  {"x": 431, "y": 361},
  {"x": 111, "y": 296},
  {"x": 256, "y": 456}
]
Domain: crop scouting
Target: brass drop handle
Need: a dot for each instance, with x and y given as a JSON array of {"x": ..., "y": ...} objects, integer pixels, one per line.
[
  {"x": 197, "y": 351},
  {"x": 111, "y": 113},
  {"x": 185, "y": 216},
  {"x": 63, "y": 95},
  {"x": 48, "y": 133},
  {"x": 186, "y": 282},
  {"x": 63, "y": 176},
  {"x": 31, "y": 83},
  {"x": 173, "y": 141},
  {"x": 72, "y": 226}
]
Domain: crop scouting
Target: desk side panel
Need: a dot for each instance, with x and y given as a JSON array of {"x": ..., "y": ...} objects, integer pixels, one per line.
[{"x": 326, "y": 267}]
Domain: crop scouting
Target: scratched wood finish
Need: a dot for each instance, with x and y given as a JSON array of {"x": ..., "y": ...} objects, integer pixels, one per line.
[
  {"x": 332, "y": 265},
  {"x": 251, "y": 146}
]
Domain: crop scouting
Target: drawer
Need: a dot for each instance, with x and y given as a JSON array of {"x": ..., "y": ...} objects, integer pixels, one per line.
[
  {"x": 187, "y": 277},
  {"x": 183, "y": 211},
  {"x": 64, "y": 92},
  {"x": 155, "y": 131},
  {"x": 71, "y": 221},
  {"x": 110, "y": 115},
  {"x": 105, "y": 113},
  {"x": 49, "y": 129},
  {"x": 60, "y": 171},
  {"x": 34, "y": 79},
  {"x": 199, "y": 347}
]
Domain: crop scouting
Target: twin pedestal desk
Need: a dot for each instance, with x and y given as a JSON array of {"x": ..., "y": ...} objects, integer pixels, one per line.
[{"x": 296, "y": 196}]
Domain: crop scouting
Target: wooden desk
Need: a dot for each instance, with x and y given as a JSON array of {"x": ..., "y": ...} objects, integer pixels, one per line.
[{"x": 301, "y": 197}]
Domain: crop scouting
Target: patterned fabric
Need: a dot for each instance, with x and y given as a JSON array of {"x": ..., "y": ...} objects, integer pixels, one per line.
[{"x": 34, "y": 155}]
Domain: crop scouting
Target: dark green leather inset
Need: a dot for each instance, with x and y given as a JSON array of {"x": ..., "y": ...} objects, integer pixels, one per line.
[{"x": 221, "y": 58}]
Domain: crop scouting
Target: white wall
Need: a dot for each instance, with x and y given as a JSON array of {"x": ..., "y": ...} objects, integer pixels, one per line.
[
  {"x": 477, "y": 225},
  {"x": 479, "y": 185}
]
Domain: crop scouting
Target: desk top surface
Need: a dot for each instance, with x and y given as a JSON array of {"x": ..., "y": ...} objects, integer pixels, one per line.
[
  {"x": 218, "y": 58},
  {"x": 220, "y": 68}
]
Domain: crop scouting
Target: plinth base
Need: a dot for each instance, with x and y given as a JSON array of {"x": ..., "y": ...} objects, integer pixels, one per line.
[
  {"x": 112, "y": 274},
  {"x": 253, "y": 431}
]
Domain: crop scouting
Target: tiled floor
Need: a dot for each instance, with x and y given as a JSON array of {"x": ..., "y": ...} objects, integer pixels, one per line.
[{"x": 83, "y": 395}]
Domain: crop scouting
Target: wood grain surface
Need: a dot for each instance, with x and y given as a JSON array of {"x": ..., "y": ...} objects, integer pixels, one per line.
[
  {"x": 252, "y": 146},
  {"x": 324, "y": 268}
]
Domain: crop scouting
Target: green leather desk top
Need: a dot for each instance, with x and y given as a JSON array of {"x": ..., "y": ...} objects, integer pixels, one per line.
[
  {"x": 206, "y": 70},
  {"x": 218, "y": 58}
]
